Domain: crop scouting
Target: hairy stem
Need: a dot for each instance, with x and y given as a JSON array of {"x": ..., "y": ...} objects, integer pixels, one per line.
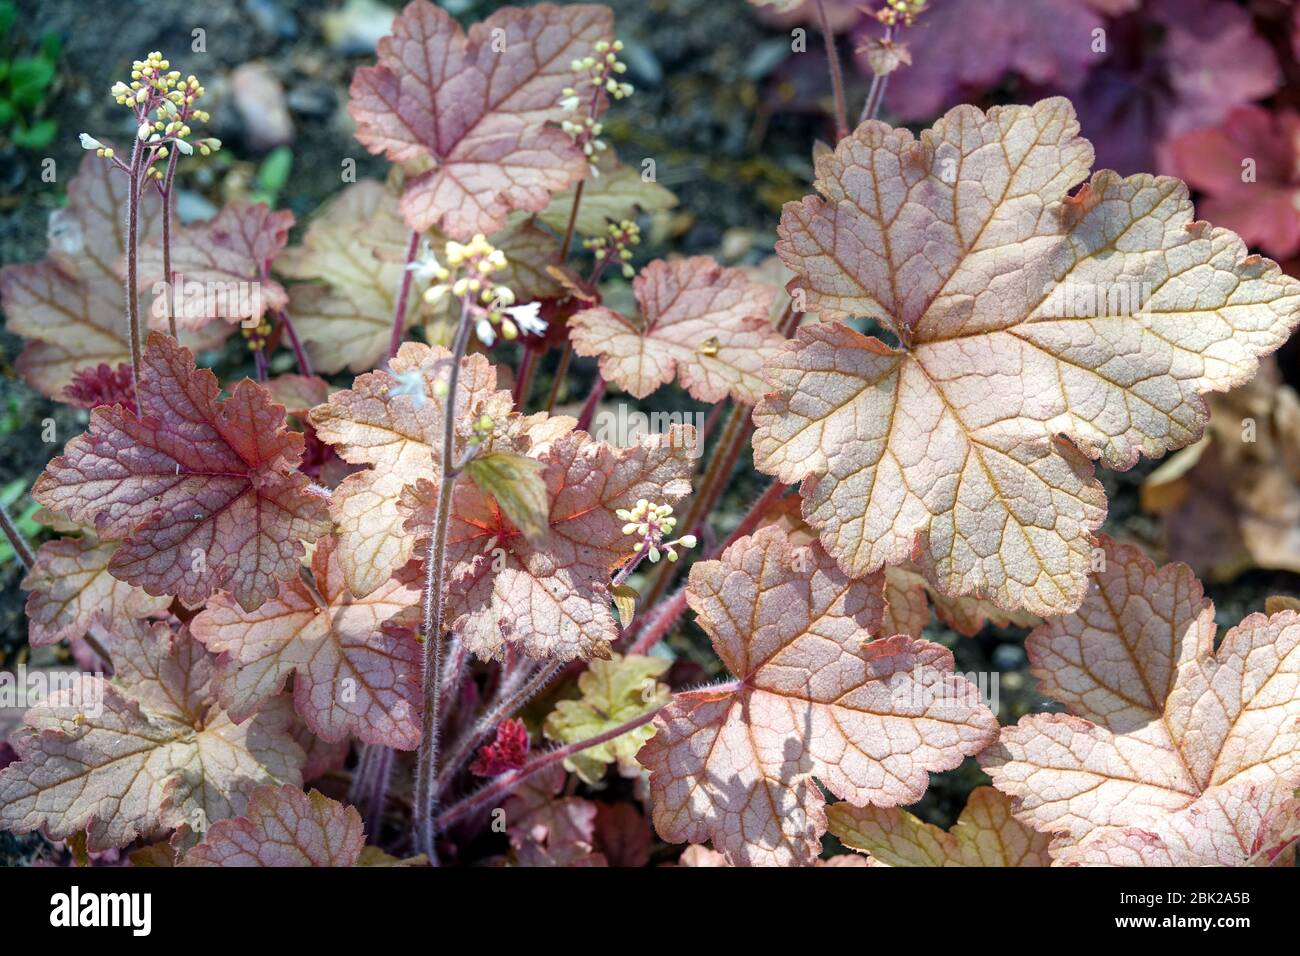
[
  {"x": 132, "y": 279},
  {"x": 561, "y": 370},
  {"x": 524, "y": 376},
  {"x": 403, "y": 297},
  {"x": 508, "y": 702},
  {"x": 426, "y": 773},
  {"x": 16, "y": 539},
  {"x": 837, "y": 75},
  {"x": 504, "y": 784},
  {"x": 167, "y": 238}
]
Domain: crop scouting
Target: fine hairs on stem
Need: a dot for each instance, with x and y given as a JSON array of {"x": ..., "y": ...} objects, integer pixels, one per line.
[{"x": 426, "y": 774}]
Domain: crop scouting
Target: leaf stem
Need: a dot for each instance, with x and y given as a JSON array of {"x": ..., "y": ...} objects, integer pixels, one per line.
[
  {"x": 837, "y": 75},
  {"x": 589, "y": 406},
  {"x": 876, "y": 94},
  {"x": 507, "y": 782},
  {"x": 166, "y": 191},
  {"x": 132, "y": 279},
  {"x": 524, "y": 376},
  {"x": 17, "y": 539},
  {"x": 403, "y": 297},
  {"x": 299, "y": 353},
  {"x": 426, "y": 773}
]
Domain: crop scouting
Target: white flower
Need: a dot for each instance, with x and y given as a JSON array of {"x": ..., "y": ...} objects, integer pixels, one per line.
[
  {"x": 426, "y": 266},
  {"x": 409, "y": 383},
  {"x": 144, "y": 131},
  {"x": 569, "y": 103},
  {"x": 528, "y": 317},
  {"x": 89, "y": 142},
  {"x": 486, "y": 334}
]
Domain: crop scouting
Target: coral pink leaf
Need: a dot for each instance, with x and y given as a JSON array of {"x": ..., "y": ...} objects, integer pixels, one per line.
[
  {"x": 1022, "y": 314},
  {"x": 1165, "y": 734},
  {"x": 283, "y": 827},
  {"x": 202, "y": 494},
  {"x": 707, "y": 324},
  {"x": 817, "y": 698},
  {"x": 352, "y": 675},
  {"x": 147, "y": 752},
  {"x": 480, "y": 107}
]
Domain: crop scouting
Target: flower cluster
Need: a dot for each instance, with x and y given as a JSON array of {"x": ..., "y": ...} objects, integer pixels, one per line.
[
  {"x": 617, "y": 247},
  {"x": 900, "y": 12},
  {"x": 601, "y": 72},
  {"x": 468, "y": 276},
  {"x": 164, "y": 106},
  {"x": 652, "y": 523}
]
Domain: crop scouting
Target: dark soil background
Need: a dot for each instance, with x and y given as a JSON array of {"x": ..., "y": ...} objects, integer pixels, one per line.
[{"x": 724, "y": 109}]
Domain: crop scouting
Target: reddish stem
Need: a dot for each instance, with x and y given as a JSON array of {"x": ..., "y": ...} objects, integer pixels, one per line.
[
  {"x": 403, "y": 297},
  {"x": 299, "y": 353},
  {"x": 589, "y": 406},
  {"x": 837, "y": 75}
]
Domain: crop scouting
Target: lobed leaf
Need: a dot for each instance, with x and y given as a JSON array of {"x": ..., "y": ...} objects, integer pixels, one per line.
[
  {"x": 613, "y": 692},
  {"x": 553, "y": 601},
  {"x": 69, "y": 306},
  {"x": 947, "y": 449},
  {"x": 817, "y": 698},
  {"x": 283, "y": 827},
  {"x": 703, "y": 323},
  {"x": 146, "y": 752},
  {"x": 219, "y": 266},
  {"x": 1164, "y": 733},
  {"x": 986, "y": 834},
  {"x": 351, "y": 673},
  {"x": 202, "y": 494},
  {"x": 71, "y": 591},
  {"x": 478, "y": 108}
]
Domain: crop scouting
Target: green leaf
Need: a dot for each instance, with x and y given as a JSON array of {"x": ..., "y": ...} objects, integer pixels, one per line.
[
  {"x": 273, "y": 174},
  {"x": 29, "y": 78},
  {"x": 51, "y": 45},
  {"x": 516, "y": 484},
  {"x": 37, "y": 136},
  {"x": 613, "y": 692},
  {"x": 6, "y": 113}
]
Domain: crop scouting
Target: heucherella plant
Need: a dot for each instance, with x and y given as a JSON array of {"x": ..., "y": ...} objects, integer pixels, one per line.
[{"x": 399, "y": 560}]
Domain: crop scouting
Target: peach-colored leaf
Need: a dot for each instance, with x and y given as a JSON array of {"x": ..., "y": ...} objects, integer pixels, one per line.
[
  {"x": 986, "y": 834},
  {"x": 553, "y": 601},
  {"x": 72, "y": 590},
  {"x": 816, "y": 698},
  {"x": 351, "y": 675},
  {"x": 703, "y": 323},
  {"x": 202, "y": 494},
  {"x": 1160, "y": 723},
  {"x": 908, "y": 595},
  {"x": 283, "y": 827},
  {"x": 1239, "y": 825},
  {"x": 70, "y": 306},
  {"x": 393, "y": 420},
  {"x": 218, "y": 266},
  {"x": 144, "y": 753},
  {"x": 965, "y": 245},
  {"x": 478, "y": 107}
]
